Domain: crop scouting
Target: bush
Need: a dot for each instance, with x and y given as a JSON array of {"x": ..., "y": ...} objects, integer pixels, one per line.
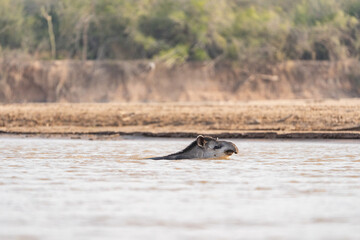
[{"x": 184, "y": 30}]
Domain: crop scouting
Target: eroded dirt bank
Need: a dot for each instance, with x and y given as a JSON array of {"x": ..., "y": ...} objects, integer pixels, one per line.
[
  {"x": 144, "y": 81},
  {"x": 254, "y": 119}
]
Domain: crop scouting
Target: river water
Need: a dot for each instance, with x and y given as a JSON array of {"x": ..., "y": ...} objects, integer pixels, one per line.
[{"x": 81, "y": 189}]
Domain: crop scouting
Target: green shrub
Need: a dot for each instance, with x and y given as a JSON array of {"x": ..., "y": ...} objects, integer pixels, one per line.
[{"x": 185, "y": 30}]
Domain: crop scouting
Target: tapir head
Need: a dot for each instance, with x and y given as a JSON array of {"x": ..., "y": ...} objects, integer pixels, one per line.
[{"x": 214, "y": 148}]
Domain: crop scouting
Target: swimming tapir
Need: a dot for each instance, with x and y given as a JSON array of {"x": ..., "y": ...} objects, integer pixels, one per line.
[{"x": 203, "y": 147}]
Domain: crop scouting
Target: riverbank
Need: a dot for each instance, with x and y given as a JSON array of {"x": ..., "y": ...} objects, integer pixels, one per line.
[
  {"x": 24, "y": 81},
  {"x": 300, "y": 119}
]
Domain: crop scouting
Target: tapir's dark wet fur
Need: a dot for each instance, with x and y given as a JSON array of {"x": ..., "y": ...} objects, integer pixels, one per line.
[{"x": 203, "y": 147}]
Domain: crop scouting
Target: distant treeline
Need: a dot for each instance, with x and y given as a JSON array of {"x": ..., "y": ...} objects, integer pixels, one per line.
[{"x": 182, "y": 30}]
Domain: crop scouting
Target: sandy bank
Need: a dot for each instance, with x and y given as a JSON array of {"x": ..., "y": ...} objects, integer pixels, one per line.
[{"x": 254, "y": 119}]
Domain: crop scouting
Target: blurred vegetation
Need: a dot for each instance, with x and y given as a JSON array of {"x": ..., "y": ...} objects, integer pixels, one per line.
[{"x": 182, "y": 30}]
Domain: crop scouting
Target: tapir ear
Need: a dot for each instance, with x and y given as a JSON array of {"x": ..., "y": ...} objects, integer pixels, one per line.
[{"x": 200, "y": 140}]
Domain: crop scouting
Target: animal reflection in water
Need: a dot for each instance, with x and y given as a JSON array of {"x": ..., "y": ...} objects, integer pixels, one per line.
[{"x": 203, "y": 147}]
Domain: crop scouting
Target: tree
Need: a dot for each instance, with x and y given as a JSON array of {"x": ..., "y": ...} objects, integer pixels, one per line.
[{"x": 50, "y": 30}]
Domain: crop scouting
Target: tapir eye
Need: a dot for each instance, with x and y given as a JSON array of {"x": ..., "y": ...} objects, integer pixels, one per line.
[{"x": 217, "y": 147}]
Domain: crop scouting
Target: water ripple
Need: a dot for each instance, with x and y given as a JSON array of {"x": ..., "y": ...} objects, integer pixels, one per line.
[{"x": 77, "y": 189}]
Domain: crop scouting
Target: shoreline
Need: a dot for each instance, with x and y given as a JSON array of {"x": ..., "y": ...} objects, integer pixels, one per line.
[
  {"x": 273, "y": 119},
  {"x": 111, "y": 135}
]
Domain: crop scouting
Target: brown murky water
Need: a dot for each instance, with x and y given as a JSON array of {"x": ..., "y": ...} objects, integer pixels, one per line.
[{"x": 77, "y": 189}]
